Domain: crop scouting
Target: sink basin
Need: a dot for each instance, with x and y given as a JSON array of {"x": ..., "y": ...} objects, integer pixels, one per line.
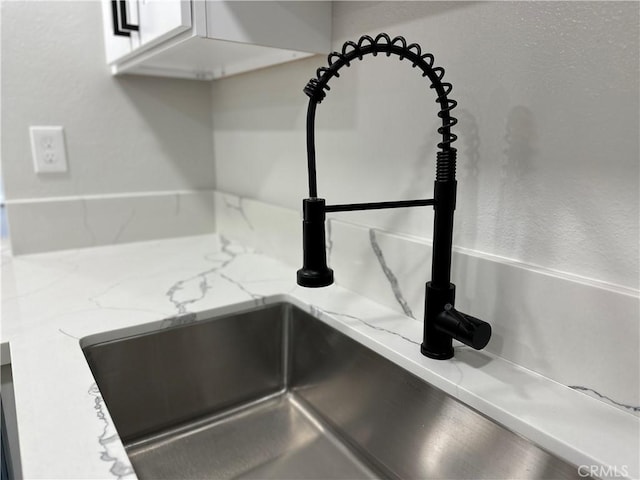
[{"x": 273, "y": 392}]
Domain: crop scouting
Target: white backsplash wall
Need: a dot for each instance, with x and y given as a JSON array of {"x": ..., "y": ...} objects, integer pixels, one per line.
[
  {"x": 556, "y": 325},
  {"x": 548, "y": 151},
  {"x": 135, "y": 146}
]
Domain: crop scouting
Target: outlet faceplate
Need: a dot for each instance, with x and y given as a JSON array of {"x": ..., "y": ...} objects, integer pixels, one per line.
[{"x": 48, "y": 150}]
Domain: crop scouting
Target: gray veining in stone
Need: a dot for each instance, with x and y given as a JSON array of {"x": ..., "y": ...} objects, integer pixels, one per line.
[
  {"x": 360, "y": 320},
  {"x": 68, "y": 334},
  {"x": 124, "y": 226},
  {"x": 57, "y": 280},
  {"x": 85, "y": 221},
  {"x": 179, "y": 320},
  {"x": 240, "y": 208},
  {"x": 605, "y": 398},
  {"x": 393, "y": 281},
  {"x": 121, "y": 467},
  {"x": 203, "y": 285},
  {"x": 240, "y": 286},
  {"x": 94, "y": 299}
]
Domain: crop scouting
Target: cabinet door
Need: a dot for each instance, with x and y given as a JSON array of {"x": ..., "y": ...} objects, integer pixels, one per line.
[
  {"x": 162, "y": 19},
  {"x": 116, "y": 43}
]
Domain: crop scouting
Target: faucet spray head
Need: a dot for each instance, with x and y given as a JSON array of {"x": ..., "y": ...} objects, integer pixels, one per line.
[{"x": 314, "y": 271}]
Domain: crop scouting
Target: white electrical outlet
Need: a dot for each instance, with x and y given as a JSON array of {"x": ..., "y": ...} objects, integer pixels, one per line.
[{"x": 47, "y": 149}]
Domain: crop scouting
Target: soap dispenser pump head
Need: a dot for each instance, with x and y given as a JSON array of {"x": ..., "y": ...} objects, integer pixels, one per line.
[{"x": 314, "y": 271}]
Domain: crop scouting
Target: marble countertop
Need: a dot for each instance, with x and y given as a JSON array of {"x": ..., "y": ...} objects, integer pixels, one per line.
[{"x": 51, "y": 301}]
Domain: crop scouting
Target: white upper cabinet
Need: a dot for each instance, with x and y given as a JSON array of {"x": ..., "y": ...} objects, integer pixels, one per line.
[
  {"x": 208, "y": 39},
  {"x": 161, "y": 19}
]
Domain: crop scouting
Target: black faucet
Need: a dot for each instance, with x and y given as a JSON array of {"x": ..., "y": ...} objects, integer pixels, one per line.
[{"x": 442, "y": 322}]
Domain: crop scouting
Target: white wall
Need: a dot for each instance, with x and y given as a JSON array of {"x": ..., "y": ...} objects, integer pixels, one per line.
[
  {"x": 548, "y": 107},
  {"x": 139, "y": 149}
]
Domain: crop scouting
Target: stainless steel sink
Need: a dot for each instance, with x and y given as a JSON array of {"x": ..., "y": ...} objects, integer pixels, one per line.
[{"x": 273, "y": 392}]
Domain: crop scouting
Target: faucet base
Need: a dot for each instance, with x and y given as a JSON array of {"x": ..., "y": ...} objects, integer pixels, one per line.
[
  {"x": 441, "y": 355},
  {"x": 435, "y": 343},
  {"x": 443, "y": 324},
  {"x": 315, "y": 278}
]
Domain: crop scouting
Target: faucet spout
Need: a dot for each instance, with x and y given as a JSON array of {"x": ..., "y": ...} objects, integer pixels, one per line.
[{"x": 443, "y": 323}]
